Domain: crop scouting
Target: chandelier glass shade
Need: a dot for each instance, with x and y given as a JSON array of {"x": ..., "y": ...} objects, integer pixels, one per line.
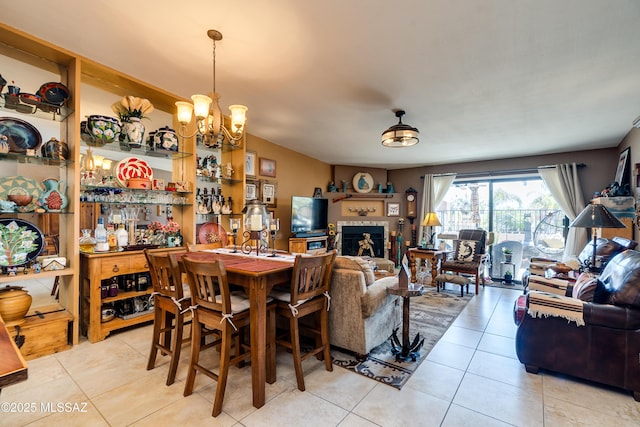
[
  {"x": 209, "y": 118},
  {"x": 400, "y": 134}
]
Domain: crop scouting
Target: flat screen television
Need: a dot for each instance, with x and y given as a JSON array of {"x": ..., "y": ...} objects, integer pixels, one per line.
[{"x": 309, "y": 216}]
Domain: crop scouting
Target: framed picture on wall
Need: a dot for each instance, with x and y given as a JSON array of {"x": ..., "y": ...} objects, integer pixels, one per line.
[
  {"x": 267, "y": 167},
  {"x": 268, "y": 190},
  {"x": 393, "y": 209},
  {"x": 622, "y": 171},
  {"x": 251, "y": 190},
  {"x": 250, "y": 163}
]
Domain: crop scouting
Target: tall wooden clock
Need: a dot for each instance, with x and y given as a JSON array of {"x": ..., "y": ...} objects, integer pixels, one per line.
[{"x": 411, "y": 198}]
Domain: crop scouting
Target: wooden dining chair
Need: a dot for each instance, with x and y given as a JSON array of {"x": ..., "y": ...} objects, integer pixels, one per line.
[
  {"x": 308, "y": 295},
  {"x": 216, "y": 308},
  {"x": 169, "y": 301}
]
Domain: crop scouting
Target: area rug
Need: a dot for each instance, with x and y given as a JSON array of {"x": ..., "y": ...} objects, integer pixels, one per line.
[{"x": 431, "y": 315}]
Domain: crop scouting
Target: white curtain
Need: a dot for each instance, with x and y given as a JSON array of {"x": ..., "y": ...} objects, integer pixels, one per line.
[
  {"x": 564, "y": 185},
  {"x": 434, "y": 190}
]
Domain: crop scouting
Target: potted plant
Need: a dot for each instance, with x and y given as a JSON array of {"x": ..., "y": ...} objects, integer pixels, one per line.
[
  {"x": 508, "y": 277},
  {"x": 508, "y": 253}
]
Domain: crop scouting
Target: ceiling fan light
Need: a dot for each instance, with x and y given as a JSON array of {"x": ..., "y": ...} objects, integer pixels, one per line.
[{"x": 400, "y": 134}]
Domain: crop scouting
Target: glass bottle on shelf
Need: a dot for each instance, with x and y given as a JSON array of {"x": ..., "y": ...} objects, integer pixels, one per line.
[
  {"x": 102, "y": 245},
  {"x": 87, "y": 242},
  {"x": 122, "y": 236},
  {"x": 112, "y": 238}
]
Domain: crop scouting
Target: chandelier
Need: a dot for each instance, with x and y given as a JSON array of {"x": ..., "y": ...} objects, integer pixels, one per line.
[
  {"x": 400, "y": 134},
  {"x": 209, "y": 119}
]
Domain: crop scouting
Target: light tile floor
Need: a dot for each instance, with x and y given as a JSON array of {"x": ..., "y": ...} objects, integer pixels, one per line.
[{"x": 471, "y": 378}]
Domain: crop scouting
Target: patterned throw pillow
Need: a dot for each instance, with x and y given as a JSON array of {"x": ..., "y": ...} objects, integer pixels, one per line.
[
  {"x": 358, "y": 264},
  {"x": 466, "y": 250}
]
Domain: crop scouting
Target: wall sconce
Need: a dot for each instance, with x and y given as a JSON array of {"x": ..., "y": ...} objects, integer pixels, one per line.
[{"x": 209, "y": 118}]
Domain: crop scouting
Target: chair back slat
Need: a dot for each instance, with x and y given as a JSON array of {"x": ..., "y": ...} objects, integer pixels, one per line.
[
  {"x": 208, "y": 283},
  {"x": 311, "y": 276},
  {"x": 165, "y": 273}
]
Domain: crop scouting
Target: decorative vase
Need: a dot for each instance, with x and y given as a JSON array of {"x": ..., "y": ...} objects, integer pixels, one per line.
[
  {"x": 133, "y": 129},
  {"x": 54, "y": 198},
  {"x": 173, "y": 241},
  {"x": 14, "y": 304}
]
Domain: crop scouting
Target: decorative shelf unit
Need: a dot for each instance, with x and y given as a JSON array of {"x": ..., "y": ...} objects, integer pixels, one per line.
[
  {"x": 49, "y": 326},
  {"x": 83, "y": 77}
]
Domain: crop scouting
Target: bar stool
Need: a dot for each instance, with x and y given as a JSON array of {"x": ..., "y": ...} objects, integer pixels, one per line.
[
  {"x": 216, "y": 308},
  {"x": 170, "y": 303},
  {"x": 308, "y": 294}
]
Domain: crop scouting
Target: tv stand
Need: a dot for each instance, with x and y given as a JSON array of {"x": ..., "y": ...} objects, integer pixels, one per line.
[{"x": 308, "y": 245}]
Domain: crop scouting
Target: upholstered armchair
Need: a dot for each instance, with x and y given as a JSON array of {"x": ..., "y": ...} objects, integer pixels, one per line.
[{"x": 468, "y": 253}]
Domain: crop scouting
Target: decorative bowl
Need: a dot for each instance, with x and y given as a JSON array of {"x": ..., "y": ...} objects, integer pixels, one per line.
[
  {"x": 14, "y": 304},
  {"x": 29, "y": 98},
  {"x": 20, "y": 199},
  {"x": 107, "y": 315},
  {"x": 103, "y": 128},
  {"x": 54, "y": 149}
]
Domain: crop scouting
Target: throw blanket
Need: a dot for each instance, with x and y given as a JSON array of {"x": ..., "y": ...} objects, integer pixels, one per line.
[
  {"x": 553, "y": 286},
  {"x": 543, "y": 304}
]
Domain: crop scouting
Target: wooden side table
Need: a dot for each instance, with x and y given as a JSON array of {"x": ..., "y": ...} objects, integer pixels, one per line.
[
  {"x": 434, "y": 256},
  {"x": 407, "y": 349}
]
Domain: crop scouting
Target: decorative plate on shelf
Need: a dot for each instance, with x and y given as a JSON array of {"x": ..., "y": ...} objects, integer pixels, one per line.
[
  {"x": 21, "y": 185},
  {"x": 20, "y": 134},
  {"x": 211, "y": 232},
  {"x": 132, "y": 167},
  {"x": 20, "y": 242},
  {"x": 362, "y": 182},
  {"x": 54, "y": 93}
]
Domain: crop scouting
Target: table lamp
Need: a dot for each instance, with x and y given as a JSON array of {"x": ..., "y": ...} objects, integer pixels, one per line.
[
  {"x": 431, "y": 220},
  {"x": 596, "y": 216}
]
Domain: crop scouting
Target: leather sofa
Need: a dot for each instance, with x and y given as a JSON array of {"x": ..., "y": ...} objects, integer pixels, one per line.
[
  {"x": 606, "y": 349},
  {"x": 362, "y": 315}
]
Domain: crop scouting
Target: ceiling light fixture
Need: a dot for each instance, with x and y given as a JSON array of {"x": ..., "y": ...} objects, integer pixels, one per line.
[
  {"x": 400, "y": 134},
  {"x": 209, "y": 118}
]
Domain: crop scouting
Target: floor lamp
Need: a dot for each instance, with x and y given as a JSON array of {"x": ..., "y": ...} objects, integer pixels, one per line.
[
  {"x": 430, "y": 220},
  {"x": 596, "y": 216}
]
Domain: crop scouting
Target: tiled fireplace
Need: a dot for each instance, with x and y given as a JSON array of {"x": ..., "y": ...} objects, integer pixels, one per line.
[{"x": 351, "y": 233}]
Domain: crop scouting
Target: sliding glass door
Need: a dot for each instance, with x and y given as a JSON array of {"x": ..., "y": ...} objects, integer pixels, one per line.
[{"x": 520, "y": 214}]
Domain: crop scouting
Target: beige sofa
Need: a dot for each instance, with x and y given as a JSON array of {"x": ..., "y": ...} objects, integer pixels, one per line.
[{"x": 362, "y": 315}]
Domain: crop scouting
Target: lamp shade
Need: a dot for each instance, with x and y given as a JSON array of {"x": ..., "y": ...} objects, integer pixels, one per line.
[
  {"x": 596, "y": 216},
  {"x": 431, "y": 220}
]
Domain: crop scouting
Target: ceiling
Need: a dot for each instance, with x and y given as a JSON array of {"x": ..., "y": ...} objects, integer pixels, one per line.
[{"x": 479, "y": 79}]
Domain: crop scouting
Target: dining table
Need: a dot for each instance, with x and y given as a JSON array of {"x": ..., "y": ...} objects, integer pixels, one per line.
[{"x": 257, "y": 275}]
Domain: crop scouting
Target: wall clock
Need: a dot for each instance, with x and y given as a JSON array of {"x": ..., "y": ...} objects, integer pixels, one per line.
[{"x": 411, "y": 197}]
